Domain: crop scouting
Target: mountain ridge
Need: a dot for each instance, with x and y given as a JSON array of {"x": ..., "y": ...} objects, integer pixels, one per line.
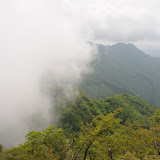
[{"x": 126, "y": 67}]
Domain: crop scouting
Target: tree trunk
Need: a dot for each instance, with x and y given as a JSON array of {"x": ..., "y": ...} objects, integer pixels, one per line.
[
  {"x": 155, "y": 142},
  {"x": 78, "y": 151},
  {"x": 110, "y": 152},
  {"x": 85, "y": 154}
]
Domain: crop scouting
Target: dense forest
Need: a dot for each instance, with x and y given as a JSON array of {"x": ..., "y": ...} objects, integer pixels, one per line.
[
  {"x": 121, "y": 127},
  {"x": 123, "y": 68}
]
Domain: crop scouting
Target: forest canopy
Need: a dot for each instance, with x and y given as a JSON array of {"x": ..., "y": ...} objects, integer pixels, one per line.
[{"x": 118, "y": 127}]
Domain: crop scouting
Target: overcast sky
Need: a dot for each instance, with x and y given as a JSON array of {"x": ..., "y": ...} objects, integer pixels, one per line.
[
  {"x": 112, "y": 21},
  {"x": 101, "y": 21},
  {"x": 41, "y": 46}
]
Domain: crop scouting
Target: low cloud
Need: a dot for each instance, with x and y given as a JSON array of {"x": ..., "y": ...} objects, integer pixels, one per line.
[
  {"x": 129, "y": 21},
  {"x": 41, "y": 47}
]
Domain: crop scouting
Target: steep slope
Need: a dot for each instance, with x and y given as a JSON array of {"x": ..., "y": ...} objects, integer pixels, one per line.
[
  {"x": 84, "y": 134},
  {"x": 123, "y": 68},
  {"x": 73, "y": 114}
]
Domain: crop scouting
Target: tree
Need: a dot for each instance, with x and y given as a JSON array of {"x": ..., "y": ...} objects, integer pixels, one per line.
[
  {"x": 48, "y": 144},
  {"x": 155, "y": 124},
  {"x": 99, "y": 127}
]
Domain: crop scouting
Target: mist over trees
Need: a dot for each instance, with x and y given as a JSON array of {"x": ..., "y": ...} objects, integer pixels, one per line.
[
  {"x": 123, "y": 68},
  {"x": 116, "y": 127},
  {"x": 78, "y": 80}
]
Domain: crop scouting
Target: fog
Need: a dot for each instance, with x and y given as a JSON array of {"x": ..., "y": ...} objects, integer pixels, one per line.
[
  {"x": 41, "y": 47},
  {"x": 43, "y": 44}
]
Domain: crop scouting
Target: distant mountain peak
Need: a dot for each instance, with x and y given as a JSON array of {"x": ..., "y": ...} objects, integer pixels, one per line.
[
  {"x": 126, "y": 49},
  {"x": 123, "y": 68},
  {"x": 121, "y": 49},
  {"x": 120, "y": 44},
  {"x": 125, "y": 45}
]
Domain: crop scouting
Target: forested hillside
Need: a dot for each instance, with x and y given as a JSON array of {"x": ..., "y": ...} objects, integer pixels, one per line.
[
  {"x": 72, "y": 114},
  {"x": 123, "y": 68},
  {"x": 118, "y": 127}
]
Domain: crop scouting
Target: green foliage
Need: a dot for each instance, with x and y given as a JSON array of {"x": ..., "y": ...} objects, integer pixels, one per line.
[
  {"x": 134, "y": 107},
  {"x": 74, "y": 114},
  {"x": 152, "y": 157},
  {"x": 123, "y": 68},
  {"x": 49, "y": 144},
  {"x": 155, "y": 118},
  {"x": 100, "y": 126},
  {"x": 111, "y": 128},
  {"x": 126, "y": 142},
  {"x": 128, "y": 156},
  {"x": 134, "y": 140}
]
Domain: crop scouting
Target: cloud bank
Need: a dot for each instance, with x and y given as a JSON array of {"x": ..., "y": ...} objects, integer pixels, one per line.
[
  {"x": 41, "y": 46},
  {"x": 125, "y": 21}
]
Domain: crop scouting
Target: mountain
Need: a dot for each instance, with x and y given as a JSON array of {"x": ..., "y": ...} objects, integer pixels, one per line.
[
  {"x": 123, "y": 68},
  {"x": 71, "y": 115}
]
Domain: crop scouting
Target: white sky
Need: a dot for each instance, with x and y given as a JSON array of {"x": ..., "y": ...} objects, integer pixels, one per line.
[
  {"x": 101, "y": 21},
  {"x": 112, "y": 21},
  {"x": 40, "y": 47}
]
